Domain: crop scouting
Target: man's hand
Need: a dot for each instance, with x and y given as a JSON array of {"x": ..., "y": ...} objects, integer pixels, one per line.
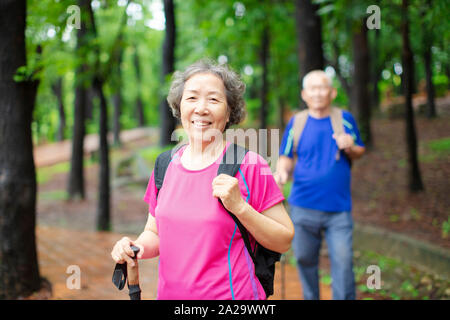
[
  {"x": 344, "y": 141},
  {"x": 281, "y": 177}
]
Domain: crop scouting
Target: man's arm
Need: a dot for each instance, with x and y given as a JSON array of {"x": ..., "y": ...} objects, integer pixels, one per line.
[
  {"x": 283, "y": 170},
  {"x": 345, "y": 142},
  {"x": 355, "y": 152}
]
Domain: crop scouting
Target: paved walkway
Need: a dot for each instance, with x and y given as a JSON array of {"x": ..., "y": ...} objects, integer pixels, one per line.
[
  {"x": 53, "y": 153},
  {"x": 58, "y": 249}
]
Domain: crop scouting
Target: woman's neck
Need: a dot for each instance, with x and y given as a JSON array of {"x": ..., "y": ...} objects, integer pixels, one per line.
[{"x": 198, "y": 155}]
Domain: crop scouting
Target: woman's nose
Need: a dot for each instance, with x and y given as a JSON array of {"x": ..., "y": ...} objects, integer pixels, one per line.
[{"x": 201, "y": 107}]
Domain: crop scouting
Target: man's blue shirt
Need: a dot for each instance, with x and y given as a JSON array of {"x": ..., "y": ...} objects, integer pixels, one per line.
[{"x": 320, "y": 181}]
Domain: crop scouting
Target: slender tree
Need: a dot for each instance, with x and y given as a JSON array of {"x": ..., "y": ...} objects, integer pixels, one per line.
[
  {"x": 414, "y": 176},
  {"x": 117, "y": 95},
  {"x": 75, "y": 187},
  {"x": 139, "y": 104},
  {"x": 167, "y": 120},
  {"x": 360, "y": 100},
  {"x": 309, "y": 37},
  {"x": 101, "y": 75},
  {"x": 57, "y": 90},
  {"x": 19, "y": 271},
  {"x": 427, "y": 37},
  {"x": 264, "y": 61}
]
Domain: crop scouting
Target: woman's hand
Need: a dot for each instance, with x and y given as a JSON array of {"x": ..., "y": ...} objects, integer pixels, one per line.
[
  {"x": 122, "y": 252},
  {"x": 227, "y": 189}
]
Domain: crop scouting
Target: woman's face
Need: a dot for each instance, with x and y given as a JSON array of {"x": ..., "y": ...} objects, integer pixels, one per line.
[{"x": 203, "y": 107}]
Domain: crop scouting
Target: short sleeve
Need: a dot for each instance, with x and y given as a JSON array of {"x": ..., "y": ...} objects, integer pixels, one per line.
[
  {"x": 262, "y": 190},
  {"x": 287, "y": 142},
  {"x": 351, "y": 128},
  {"x": 150, "y": 195}
]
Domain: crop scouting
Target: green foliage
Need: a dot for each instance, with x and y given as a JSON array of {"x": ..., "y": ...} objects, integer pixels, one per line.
[
  {"x": 228, "y": 28},
  {"x": 399, "y": 281},
  {"x": 44, "y": 174},
  {"x": 151, "y": 153}
]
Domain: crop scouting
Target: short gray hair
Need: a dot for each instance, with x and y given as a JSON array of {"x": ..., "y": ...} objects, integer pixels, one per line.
[
  {"x": 317, "y": 73},
  {"x": 234, "y": 88}
]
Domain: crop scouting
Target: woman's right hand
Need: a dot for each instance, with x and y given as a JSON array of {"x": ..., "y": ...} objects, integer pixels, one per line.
[{"x": 122, "y": 252}]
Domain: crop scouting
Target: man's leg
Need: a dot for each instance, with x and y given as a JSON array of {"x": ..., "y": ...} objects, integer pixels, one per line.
[
  {"x": 306, "y": 245},
  {"x": 339, "y": 237}
]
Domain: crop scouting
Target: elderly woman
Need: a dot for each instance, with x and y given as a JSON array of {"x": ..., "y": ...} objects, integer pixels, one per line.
[{"x": 201, "y": 252}]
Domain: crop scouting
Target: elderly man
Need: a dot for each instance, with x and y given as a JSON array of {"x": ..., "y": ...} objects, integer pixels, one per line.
[{"x": 319, "y": 145}]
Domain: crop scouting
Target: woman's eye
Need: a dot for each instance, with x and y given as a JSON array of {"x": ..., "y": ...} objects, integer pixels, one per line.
[
  {"x": 190, "y": 98},
  {"x": 213, "y": 100}
]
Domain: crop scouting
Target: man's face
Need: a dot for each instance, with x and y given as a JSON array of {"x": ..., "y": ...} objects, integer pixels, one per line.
[{"x": 318, "y": 94}]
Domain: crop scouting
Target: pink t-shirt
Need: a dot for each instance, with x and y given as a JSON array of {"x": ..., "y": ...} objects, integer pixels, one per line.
[{"x": 201, "y": 252}]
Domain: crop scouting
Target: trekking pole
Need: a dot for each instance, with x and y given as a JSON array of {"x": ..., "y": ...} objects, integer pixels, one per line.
[
  {"x": 133, "y": 277},
  {"x": 123, "y": 270}
]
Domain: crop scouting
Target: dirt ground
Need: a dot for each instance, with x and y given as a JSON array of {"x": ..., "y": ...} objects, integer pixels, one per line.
[{"x": 380, "y": 185}]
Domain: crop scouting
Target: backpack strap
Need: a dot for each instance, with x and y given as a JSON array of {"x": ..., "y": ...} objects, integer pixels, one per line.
[
  {"x": 337, "y": 124},
  {"x": 161, "y": 165},
  {"x": 231, "y": 162},
  {"x": 299, "y": 124}
]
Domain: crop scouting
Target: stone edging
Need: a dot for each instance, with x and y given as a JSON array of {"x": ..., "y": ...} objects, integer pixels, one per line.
[{"x": 414, "y": 252}]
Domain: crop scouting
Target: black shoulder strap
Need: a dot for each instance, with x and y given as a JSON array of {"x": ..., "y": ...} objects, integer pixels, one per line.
[
  {"x": 230, "y": 165},
  {"x": 161, "y": 164}
]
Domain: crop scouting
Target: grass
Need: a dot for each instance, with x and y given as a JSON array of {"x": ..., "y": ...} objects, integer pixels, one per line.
[
  {"x": 53, "y": 195},
  {"x": 45, "y": 174},
  {"x": 151, "y": 153},
  {"x": 435, "y": 150},
  {"x": 445, "y": 228},
  {"x": 398, "y": 280},
  {"x": 440, "y": 146}
]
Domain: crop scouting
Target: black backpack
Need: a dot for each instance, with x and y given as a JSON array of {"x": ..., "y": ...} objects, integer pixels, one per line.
[{"x": 264, "y": 259}]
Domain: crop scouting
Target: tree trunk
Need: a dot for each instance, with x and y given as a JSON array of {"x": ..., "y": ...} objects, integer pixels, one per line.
[
  {"x": 427, "y": 59},
  {"x": 264, "y": 57},
  {"x": 309, "y": 35},
  {"x": 117, "y": 98},
  {"x": 431, "y": 107},
  {"x": 414, "y": 177},
  {"x": 19, "y": 270},
  {"x": 167, "y": 120},
  {"x": 376, "y": 72},
  {"x": 139, "y": 105},
  {"x": 103, "y": 209},
  {"x": 103, "y": 201},
  {"x": 75, "y": 188},
  {"x": 360, "y": 88},
  {"x": 57, "y": 91}
]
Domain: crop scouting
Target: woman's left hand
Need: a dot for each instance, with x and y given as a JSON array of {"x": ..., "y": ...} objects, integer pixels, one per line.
[{"x": 227, "y": 189}]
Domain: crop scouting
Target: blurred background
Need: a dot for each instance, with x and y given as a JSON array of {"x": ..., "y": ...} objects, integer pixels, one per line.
[{"x": 83, "y": 117}]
